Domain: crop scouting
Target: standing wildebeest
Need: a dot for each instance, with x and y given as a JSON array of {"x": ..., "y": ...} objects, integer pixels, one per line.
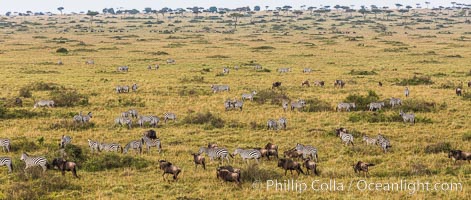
[
  {"x": 469, "y": 84},
  {"x": 199, "y": 160},
  {"x": 459, "y": 155},
  {"x": 407, "y": 117},
  {"x": 65, "y": 165},
  {"x": 339, "y": 83},
  {"x": 406, "y": 92},
  {"x": 310, "y": 165},
  {"x": 380, "y": 84},
  {"x": 228, "y": 174},
  {"x": 276, "y": 85},
  {"x": 150, "y": 134},
  {"x": 319, "y": 83},
  {"x": 44, "y": 103},
  {"x": 169, "y": 168},
  {"x": 288, "y": 164},
  {"x": 292, "y": 153},
  {"x": 458, "y": 91},
  {"x": 362, "y": 166},
  {"x": 305, "y": 83}
]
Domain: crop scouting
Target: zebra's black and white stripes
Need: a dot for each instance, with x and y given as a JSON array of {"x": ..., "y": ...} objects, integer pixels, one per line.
[
  {"x": 407, "y": 117},
  {"x": 347, "y": 138},
  {"x": 151, "y": 143},
  {"x": 282, "y": 122},
  {"x": 169, "y": 115},
  {"x": 135, "y": 144},
  {"x": 34, "y": 161},
  {"x": 94, "y": 145},
  {"x": 307, "y": 151},
  {"x": 5, "y": 144},
  {"x": 383, "y": 143},
  {"x": 152, "y": 120},
  {"x": 271, "y": 124},
  {"x": 213, "y": 153},
  {"x": 107, "y": 147},
  {"x": 65, "y": 140},
  {"x": 248, "y": 154},
  {"x": 6, "y": 161}
]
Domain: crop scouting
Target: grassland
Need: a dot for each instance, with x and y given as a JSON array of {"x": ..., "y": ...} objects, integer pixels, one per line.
[{"x": 28, "y": 56}]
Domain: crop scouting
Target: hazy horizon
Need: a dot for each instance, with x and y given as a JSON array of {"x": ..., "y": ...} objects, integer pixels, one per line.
[{"x": 84, "y": 5}]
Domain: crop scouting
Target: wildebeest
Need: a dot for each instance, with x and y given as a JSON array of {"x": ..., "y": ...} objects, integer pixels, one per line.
[
  {"x": 288, "y": 164},
  {"x": 199, "y": 160},
  {"x": 310, "y": 166},
  {"x": 362, "y": 167},
  {"x": 469, "y": 84},
  {"x": 169, "y": 168},
  {"x": 459, "y": 155},
  {"x": 65, "y": 165},
  {"x": 228, "y": 174},
  {"x": 319, "y": 83},
  {"x": 150, "y": 134},
  {"x": 458, "y": 91},
  {"x": 292, "y": 153},
  {"x": 380, "y": 84},
  {"x": 276, "y": 85},
  {"x": 44, "y": 103},
  {"x": 339, "y": 83},
  {"x": 305, "y": 83}
]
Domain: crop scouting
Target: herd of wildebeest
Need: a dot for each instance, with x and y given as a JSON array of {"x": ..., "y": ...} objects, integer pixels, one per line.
[{"x": 294, "y": 159}]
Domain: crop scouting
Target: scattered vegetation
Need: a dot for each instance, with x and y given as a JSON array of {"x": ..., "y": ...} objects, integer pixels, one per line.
[
  {"x": 416, "y": 80},
  {"x": 207, "y": 118},
  {"x": 442, "y": 147},
  {"x": 271, "y": 96},
  {"x": 361, "y": 101}
]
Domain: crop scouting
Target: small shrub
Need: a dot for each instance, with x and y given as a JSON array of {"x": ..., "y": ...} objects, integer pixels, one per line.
[
  {"x": 361, "y": 101},
  {"x": 253, "y": 174},
  {"x": 272, "y": 96},
  {"x": 25, "y": 92},
  {"x": 75, "y": 153},
  {"x": 419, "y": 106},
  {"x": 62, "y": 50},
  {"x": 204, "y": 118},
  {"x": 416, "y": 80},
  {"x": 68, "y": 98},
  {"x": 353, "y": 72},
  {"x": 70, "y": 125},
  {"x": 374, "y": 117},
  {"x": 467, "y": 96},
  {"x": 317, "y": 105},
  {"x": 194, "y": 79},
  {"x": 42, "y": 86},
  {"x": 442, "y": 147},
  {"x": 22, "y": 144},
  {"x": 264, "y": 70},
  {"x": 107, "y": 161},
  {"x": 466, "y": 136}
]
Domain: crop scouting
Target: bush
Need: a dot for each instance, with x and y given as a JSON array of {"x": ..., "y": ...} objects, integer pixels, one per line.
[
  {"x": 374, "y": 117},
  {"x": 416, "y": 80},
  {"x": 42, "y": 86},
  {"x": 317, "y": 105},
  {"x": 71, "y": 125},
  {"x": 264, "y": 70},
  {"x": 204, "y": 118},
  {"x": 419, "y": 106},
  {"x": 22, "y": 144},
  {"x": 23, "y": 114},
  {"x": 444, "y": 147},
  {"x": 353, "y": 72},
  {"x": 40, "y": 187},
  {"x": 467, "y": 96},
  {"x": 25, "y": 93},
  {"x": 3, "y": 110},
  {"x": 272, "y": 96},
  {"x": 252, "y": 174},
  {"x": 360, "y": 101},
  {"x": 466, "y": 136},
  {"x": 112, "y": 160},
  {"x": 74, "y": 153},
  {"x": 62, "y": 50},
  {"x": 68, "y": 98}
]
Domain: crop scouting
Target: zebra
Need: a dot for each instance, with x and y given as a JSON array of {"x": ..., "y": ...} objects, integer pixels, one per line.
[
  {"x": 123, "y": 121},
  {"x": 298, "y": 104},
  {"x": 94, "y": 145},
  {"x": 133, "y": 113},
  {"x": 151, "y": 143},
  {"x": 86, "y": 118},
  {"x": 65, "y": 140},
  {"x": 157, "y": 66},
  {"x": 383, "y": 143},
  {"x": 123, "y": 68},
  {"x": 6, "y": 161},
  {"x": 125, "y": 114},
  {"x": 282, "y": 122},
  {"x": 169, "y": 115},
  {"x": 375, "y": 106},
  {"x": 134, "y": 87},
  {"x": 271, "y": 124},
  {"x": 249, "y": 96},
  {"x": 213, "y": 153},
  {"x": 227, "y": 104},
  {"x": 118, "y": 89},
  {"x": 171, "y": 61},
  {"x": 34, "y": 161},
  {"x": 395, "y": 101},
  {"x": 284, "y": 70},
  {"x": 236, "y": 104},
  {"x": 225, "y": 70},
  {"x": 5, "y": 144},
  {"x": 153, "y": 120},
  {"x": 307, "y": 150},
  {"x": 90, "y": 62},
  {"x": 125, "y": 89},
  {"x": 285, "y": 104},
  {"x": 218, "y": 88},
  {"x": 319, "y": 83},
  {"x": 407, "y": 117},
  {"x": 59, "y": 62},
  {"x": 135, "y": 144},
  {"x": 369, "y": 140},
  {"x": 345, "y": 106},
  {"x": 307, "y": 70},
  {"x": 248, "y": 154},
  {"x": 406, "y": 92},
  {"x": 345, "y": 137},
  {"x": 78, "y": 118},
  {"x": 149, "y": 67},
  {"x": 44, "y": 103},
  {"x": 110, "y": 147},
  {"x": 257, "y": 67},
  {"x": 339, "y": 83},
  {"x": 236, "y": 67}
]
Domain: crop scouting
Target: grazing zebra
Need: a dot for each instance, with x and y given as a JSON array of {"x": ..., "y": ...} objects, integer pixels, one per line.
[
  {"x": 375, "y": 106},
  {"x": 135, "y": 144},
  {"x": 345, "y": 137},
  {"x": 407, "y": 117},
  {"x": 383, "y": 143},
  {"x": 153, "y": 120},
  {"x": 227, "y": 104},
  {"x": 406, "y": 92},
  {"x": 298, "y": 104},
  {"x": 171, "y": 61},
  {"x": 44, "y": 103},
  {"x": 149, "y": 67},
  {"x": 285, "y": 104},
  {"x": 319, "y": 83},
  {"x": 110, "y": 147},
  {"x": 90, "y": 62},
  {"x": 125, "y": 89},
  {"x": 339, "y": 83},
  {"x": 118, "y": 89},
  {"x": 345, "y": 106},
  {"x": 284, "y": 70},
  {"x": 395, "y": 102},
  {"x": 78, "y": 118},
  {"x": 125, "y": 114},
  {"x": 257, "y": 67},
  {"x": 271, "y": 124},
  {"x": 94, "y": 145},
  {"x": 248, "y": 154},
  {"x": 219, "y": 88},
  {"x": 151, "y": 143},
  {"x": 59, "y": 62},
  {"x": 34, "y": 161},
  {"x": 249, "y": 96},
  {"x": 307, "y": 150},
  {"x": 369, "y": 140},
  {"x": 213, "y": 153},
  {"x": 236, "y": 104},
  {"x": 236, "y": 67},
  {"x": 5, "y": 144},
  {"x": 307, "y": 70},
  {"x": 134, "y": 87},
  {"x": 123, "y": 121},
  {"x": 65, "y": 140},
  {"x": 133, "y": 113},
  {"x": 6, "y": 161},
  {"x": 123, "y": 68},
  {"x": 86, "y": 118},
  {"x": 282, "y": 122},
  {"x": 169, "y": 115},
  {"x": 225, "y": 70}
]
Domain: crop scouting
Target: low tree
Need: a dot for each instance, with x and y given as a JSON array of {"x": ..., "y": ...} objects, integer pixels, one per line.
[
  {"x": 92, "y": 14},
  {"x": 60, "y": 9},
  {"x": 236, "y": 17}
]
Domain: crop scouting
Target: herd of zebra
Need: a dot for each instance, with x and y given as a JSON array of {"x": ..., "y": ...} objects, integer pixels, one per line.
[
  {"x": 126, "y": 119},
  {"x": 125, "y": 88}
]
